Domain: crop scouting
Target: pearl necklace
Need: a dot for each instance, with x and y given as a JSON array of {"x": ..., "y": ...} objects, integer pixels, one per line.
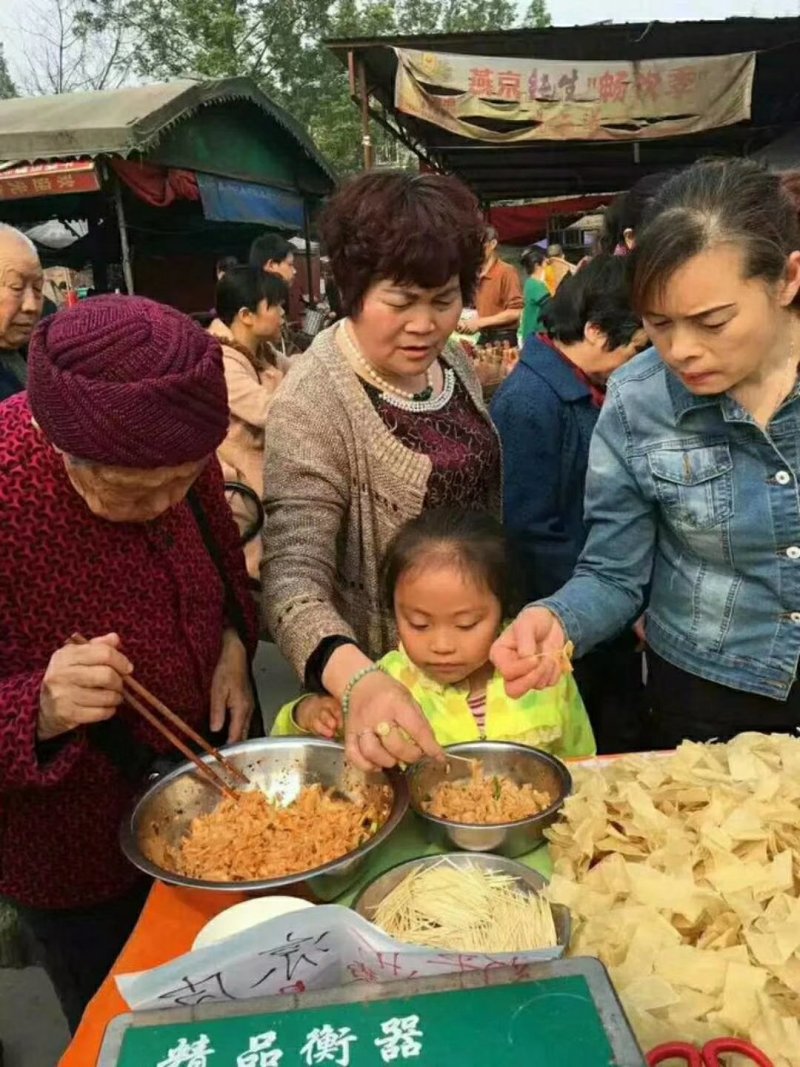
[{"x": 400, "y": 398}]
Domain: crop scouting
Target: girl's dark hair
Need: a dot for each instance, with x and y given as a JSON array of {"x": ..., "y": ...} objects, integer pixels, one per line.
[
  {"x": 412, "y": 229},
  {"x": 597, "y": 294},
  {"x": 246, "y": 287},
  {"x": 532, "y": 258},
  {"x": 628, "y": 209},
  {"x": 472, "y": 540},
  {"x": 732, "y": 201}
]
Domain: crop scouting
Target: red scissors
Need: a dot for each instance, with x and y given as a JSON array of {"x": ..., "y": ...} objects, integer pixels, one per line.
[{"x": 708, "y": 1055}]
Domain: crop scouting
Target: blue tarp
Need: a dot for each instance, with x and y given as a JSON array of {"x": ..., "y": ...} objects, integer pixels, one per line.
[{"x": 225, "y": 200}]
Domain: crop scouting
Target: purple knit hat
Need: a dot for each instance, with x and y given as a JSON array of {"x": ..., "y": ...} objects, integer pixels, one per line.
[{"x": 127, "y": 382}]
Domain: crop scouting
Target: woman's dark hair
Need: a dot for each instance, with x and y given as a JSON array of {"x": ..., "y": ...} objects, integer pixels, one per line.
[
  {"x": 269, "y": 248},
  {"x": 246, "y": 287},
  {"x": 412, "y": 229},
  {"x": 732, "y": 201},
  {"x": 226, "y": 263},
  {"x": 628, "y": 209},
  {"x": 473, "y": 540},
  {"x": 597, "y": 294},
  {"x": 532, "y": 258}
]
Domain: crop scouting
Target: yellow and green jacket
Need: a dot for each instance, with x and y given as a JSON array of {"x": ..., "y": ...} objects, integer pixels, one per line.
[{"x": 552, "y": 719}]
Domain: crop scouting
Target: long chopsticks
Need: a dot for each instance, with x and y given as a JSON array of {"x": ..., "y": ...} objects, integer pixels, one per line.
[{"x": 131, "y": 686}]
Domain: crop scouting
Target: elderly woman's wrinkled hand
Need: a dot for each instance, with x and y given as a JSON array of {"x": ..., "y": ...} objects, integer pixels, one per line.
[
  {"x": 231, "y": 691},
  {"x": 385, "y": 726},
  {"x": 530, "y": 653},
  {"x": 82, "y": 685}
]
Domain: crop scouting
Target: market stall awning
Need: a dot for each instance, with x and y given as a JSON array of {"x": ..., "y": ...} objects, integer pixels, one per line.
[
  {"x": 231, "y": 201},
  {"x": 483, "y": 140},
  {"x": 137, "y": 121},
  {"x": 521, "y": 224}
]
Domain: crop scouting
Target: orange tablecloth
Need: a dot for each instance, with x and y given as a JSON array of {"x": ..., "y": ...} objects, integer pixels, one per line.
[{"x": 172, "y": 918}]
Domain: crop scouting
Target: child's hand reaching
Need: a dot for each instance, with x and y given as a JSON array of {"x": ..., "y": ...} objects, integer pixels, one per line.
[{"x": 319, "y": 715}]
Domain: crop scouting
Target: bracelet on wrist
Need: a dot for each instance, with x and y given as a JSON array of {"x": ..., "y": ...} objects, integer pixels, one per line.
[{"x": 348, "y": 689}]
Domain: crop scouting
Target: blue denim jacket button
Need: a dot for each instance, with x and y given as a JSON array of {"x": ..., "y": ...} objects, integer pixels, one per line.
[
  {"x": 783, "y": 478},
  {"x": 793, "y": 552}
]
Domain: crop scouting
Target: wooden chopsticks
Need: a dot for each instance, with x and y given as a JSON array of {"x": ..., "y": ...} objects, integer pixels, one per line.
[{"x": 130, "y": 687}]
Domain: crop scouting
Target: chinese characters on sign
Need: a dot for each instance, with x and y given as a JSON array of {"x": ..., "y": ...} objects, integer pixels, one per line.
[
  {"x": 260, "y": 1052},
  {"x": 558, "y": 100},
  {"x": 48, "y": 179},
  {"x": 189, "y": 1053},
  {"x": 401, "y": 1039}
]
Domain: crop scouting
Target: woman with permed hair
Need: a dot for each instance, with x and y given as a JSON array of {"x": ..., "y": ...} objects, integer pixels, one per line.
[{"x": 380, "y": 420}]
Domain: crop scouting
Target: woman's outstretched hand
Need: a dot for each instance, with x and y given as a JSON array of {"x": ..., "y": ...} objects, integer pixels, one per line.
[
  {"x": 530, "y": 653},
  {"x": 385, "y": 726}
]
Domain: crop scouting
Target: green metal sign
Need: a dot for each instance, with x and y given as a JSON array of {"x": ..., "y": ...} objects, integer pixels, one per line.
[{"x": 571, "y": 1019}]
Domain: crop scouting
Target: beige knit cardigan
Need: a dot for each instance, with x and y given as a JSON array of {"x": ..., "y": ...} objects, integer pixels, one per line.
[{"x": 340, "y": 485}]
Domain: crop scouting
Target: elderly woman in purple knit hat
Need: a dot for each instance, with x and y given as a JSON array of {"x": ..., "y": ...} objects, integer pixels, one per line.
[{"x": 115, "y": 525}]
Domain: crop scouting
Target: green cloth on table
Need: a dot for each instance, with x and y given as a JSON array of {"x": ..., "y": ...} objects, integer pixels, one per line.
[
  {"x": 409, "y": 842},
  {"x": 535, "y": 294}
]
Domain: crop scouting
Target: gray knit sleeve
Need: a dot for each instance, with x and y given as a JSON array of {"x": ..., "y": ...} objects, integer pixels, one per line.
[{"x": 307, "y": 494}]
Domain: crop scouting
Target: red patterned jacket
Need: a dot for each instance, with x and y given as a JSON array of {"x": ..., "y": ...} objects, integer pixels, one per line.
[{"x": 63, "y": 569}]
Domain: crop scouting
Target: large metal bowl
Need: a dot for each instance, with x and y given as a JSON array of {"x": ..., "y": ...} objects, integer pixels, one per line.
[
  {"x": 521, "y": 764},
  {"x": 371, "y": 895},
  {"x": 281, "y": 766}
]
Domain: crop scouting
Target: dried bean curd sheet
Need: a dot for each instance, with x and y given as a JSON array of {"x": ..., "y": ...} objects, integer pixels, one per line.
[
  {"x": 485, "y": 799},
  {"x": 466, "y": 909},
  {"x": 250, "y": 839},
  {"x": 683, "y": 875}
]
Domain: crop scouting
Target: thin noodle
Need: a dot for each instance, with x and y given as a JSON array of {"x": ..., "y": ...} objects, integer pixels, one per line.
[{"x": 466, "y": 909}]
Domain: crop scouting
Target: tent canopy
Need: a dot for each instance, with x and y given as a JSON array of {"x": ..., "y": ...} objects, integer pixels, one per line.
[
  {"x": 141, "y": 120},
  {"x": 552, "y": 168}
]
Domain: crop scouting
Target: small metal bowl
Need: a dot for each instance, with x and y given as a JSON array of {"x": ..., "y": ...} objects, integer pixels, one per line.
[
  {"x": 281, "y": 766},
  {"x": 521, "y": 764},
  {"x": 372, "y": 894}
]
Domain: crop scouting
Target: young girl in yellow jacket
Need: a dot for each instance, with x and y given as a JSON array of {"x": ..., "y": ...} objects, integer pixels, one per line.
[{"x": 446, "y": 577}]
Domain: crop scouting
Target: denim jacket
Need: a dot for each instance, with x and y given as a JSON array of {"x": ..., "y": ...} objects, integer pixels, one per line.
[{"x": 690, "y": 492}]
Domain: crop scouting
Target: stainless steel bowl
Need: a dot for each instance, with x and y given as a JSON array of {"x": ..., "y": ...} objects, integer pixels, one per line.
[
  {"x": 521, "y": 764},
  {"x": 281, "y": 766},
  {"x": 371, "y": 895}
]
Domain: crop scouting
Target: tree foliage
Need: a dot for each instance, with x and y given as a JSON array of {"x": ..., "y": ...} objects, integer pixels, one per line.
[
  {"x": 279, "y": 43},
  {"x": 7, "y": 87},
  {"x": 58, "y": 56}
]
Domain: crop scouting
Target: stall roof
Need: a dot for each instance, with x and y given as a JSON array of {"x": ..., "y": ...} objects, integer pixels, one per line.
[
  {"x": 552, "y": 168},
  {"x": 126, "y": 121}
]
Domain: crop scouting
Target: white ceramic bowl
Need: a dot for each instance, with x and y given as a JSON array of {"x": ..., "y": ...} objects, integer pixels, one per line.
[{"x": 244, "y": 915}]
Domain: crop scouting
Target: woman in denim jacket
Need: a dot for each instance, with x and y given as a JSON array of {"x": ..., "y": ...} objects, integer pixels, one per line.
[{"x": 694, "y": 466}]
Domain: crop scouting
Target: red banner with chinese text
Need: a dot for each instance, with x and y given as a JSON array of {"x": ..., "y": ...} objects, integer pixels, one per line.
[
  {"x": 553, "y": 100},
  {"x": 49, "y": 179}
]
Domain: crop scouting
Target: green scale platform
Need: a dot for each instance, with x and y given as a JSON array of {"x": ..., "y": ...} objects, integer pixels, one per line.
[{"x": 560, "y": 1014}]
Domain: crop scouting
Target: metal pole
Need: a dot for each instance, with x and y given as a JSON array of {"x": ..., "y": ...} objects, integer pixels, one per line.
[
  {"x": 307, "y": 239},
  {"x": 366, "y": 139},
  {"x": 127, "y": 269}
]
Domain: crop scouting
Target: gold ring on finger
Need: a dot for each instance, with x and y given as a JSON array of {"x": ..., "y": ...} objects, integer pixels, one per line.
[{"x": 383, "y": 729}]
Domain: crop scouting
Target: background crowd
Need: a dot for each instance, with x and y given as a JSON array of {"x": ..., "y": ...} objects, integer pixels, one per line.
[{"x": 659, "y": 506}]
